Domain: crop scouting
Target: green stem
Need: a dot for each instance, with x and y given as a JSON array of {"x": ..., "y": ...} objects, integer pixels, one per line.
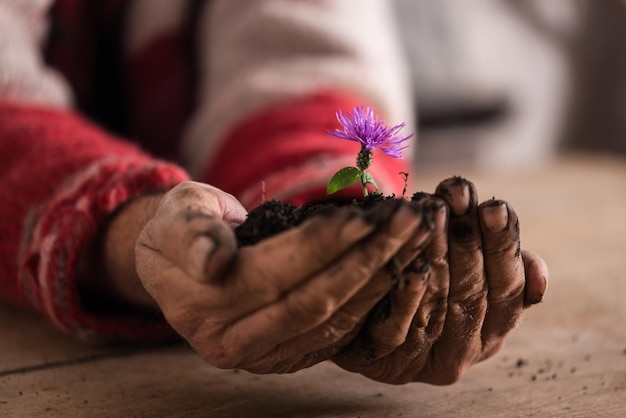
[
  {"x": 363, "y": 161},
  {"x": 364, "y": 184}
]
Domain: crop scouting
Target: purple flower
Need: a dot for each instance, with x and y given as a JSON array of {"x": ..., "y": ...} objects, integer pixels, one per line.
[{"x": 364, "y": 126}]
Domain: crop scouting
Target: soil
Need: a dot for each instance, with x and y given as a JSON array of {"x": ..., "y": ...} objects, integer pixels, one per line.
[{"x": 273, "y": 217}]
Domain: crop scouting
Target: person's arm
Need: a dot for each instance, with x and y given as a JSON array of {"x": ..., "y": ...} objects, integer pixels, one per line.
[
  {"x": 272, "y": 75},
  {"x": 62, "y": 180}
]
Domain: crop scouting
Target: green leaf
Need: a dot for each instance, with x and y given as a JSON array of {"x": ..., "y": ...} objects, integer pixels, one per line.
[
  {"x": 343, "y": 178},
  {"x": 369, "y": 179}
]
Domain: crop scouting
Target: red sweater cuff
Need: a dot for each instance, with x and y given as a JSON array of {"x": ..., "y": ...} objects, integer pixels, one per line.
[
  {"x": 64, "y": 230},
  {"x": 285, "y": 153},
  {"x": 63, "y": 176}
]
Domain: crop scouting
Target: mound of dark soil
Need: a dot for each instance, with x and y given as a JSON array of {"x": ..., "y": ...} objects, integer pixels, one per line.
[{"x": 273, "y": 217}]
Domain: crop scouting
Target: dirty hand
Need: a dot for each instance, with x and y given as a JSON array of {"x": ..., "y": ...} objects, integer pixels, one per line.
[
  {"x": 463, "y": 292},
  {"x": 284, "y": 304}
]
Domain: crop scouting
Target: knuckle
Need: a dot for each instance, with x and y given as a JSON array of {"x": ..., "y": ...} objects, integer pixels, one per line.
[
  {"x": 457, "y": 309},
  {"x": 503, "y": 251},
  {"x": 433, "y": 312},
  {"x": 505, "y": 297},
  {"x": 342, "y": 322},
  {"x": 464, "y": 234},
  {"x": 332, "y": 333},
  {"x": 439, "y": 264},
  {"x": 351, "y": 272},
  {"x": 309, "y": 309},
  {"x": 468, "y": 297}
]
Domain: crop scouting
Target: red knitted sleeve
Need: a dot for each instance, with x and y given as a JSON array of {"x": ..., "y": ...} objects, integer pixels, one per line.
[{"x": 61, "y": 177}]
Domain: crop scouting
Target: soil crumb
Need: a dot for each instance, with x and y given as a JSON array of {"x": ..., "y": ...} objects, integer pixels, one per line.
[{"x": 521, "y": 363}]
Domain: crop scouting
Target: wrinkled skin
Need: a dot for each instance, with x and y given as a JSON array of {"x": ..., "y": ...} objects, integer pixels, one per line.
[
  {"x": 465, "y": 290},
  {"x": 270, "y": 308}
]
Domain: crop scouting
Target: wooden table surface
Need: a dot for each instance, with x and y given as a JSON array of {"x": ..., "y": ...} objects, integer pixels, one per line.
[{"x": 568, "y": 358}]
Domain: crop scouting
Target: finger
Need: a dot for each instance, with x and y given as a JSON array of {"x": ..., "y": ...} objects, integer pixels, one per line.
[
  {"x": 189, "y": 230},
  {"x": 233, "y": 213},
  {"x": 195, "y": 240},
  {"x": 429, "y": 319},
  {"x": 328, "y": 338},
  {"x": 536, "y": 273},
  {"x": 204, "y": 197},
  {"x": 392, "y": 310},
  {"x": 504, "y": 269},
  {"x": 467, "y": 300},
  {"x": 387, "y": 325},
  {"x": 414, "y": 246},
  {"x": 316, "y": 300},
  {"x": 427, "y": 323},
  {"x": 280, "y": 263}
]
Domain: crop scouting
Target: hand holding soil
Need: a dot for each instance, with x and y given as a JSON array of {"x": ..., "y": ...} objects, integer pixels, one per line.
[
  {"x": 284, "y": 304},
  {"x": 330, "y": 287},
  {"x": 464, "y": 292}
]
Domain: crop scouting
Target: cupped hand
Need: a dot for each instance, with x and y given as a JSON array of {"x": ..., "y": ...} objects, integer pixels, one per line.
[
  {"x": 464, "y": 291},
  {"x": 281, "y": 305}
]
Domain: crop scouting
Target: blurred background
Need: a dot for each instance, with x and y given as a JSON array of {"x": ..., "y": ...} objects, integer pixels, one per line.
[{"x": 506, "y": 84}]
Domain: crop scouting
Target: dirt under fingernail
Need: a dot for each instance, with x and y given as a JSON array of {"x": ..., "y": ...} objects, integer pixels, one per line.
[{"x": 495, "y": 216}]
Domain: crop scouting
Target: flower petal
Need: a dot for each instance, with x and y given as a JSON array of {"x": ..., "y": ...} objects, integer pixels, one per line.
[{"x": 364, "y": 126}]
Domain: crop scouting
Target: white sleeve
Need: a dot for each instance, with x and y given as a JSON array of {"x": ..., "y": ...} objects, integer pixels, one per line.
[
  {"x": 23, "y": 74},
  {"x": 257, "y": 54}
]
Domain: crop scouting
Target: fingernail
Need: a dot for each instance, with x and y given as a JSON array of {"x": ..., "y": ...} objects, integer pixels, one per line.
[
  {"x": 355, "y": 228},
  {"x": 534, "y": 294},
  {"x": 440, "y": 218},
  {"x": 201, "y": 248},
  {"x": 404, "y": 221},
  {"x": 459, "y": 198},
  {"x": 533, "y": 299},
  {"x": 495, "y": 217},
  {"x": 437, "y": 218},
  {"x": 434, "y": 213}
]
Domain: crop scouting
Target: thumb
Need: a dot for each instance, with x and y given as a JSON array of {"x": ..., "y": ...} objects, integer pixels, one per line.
[
  {"x": 192, "y": 230},
  {"x": 233, "y": 213}
]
